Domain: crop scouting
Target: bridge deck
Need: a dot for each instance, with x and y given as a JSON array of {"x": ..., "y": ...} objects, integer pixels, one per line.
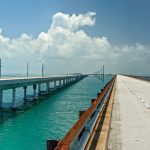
[
  {"x": 7, "y": 83},
  {"x": 130, "y": 127}
]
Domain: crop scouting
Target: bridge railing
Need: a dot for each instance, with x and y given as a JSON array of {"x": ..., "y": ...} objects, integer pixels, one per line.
[{"x": 79, "y": 134}]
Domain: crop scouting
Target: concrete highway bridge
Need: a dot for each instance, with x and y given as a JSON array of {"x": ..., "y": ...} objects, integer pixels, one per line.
[{"x": 51, "y": 84}]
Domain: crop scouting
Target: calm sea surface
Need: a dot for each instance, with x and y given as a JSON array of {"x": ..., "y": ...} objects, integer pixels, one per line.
[{"x": 51, "y": 118}]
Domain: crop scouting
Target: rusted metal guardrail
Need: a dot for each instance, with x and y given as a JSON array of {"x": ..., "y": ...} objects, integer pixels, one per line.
[{"x": 79, "y": 134}]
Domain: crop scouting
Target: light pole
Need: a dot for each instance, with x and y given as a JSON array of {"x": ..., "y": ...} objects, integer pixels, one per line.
[
  {"x": 42, "y": 69},
  {"x": 27, "y": 69},
  {"x": 103, "y": 72}
]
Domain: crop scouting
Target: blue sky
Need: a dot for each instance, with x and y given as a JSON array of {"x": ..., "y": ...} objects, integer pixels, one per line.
[
  {"x": 122, "y": 21},
  {"x": 75, "y": 35}
]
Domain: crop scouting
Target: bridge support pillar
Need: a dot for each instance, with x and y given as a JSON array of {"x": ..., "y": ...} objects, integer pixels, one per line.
[
  {"x": 34, "y": 91},
  {"x": 63, "y": 82},
  {"x": 59, "y": 83},
  {"x": 67, "y": 81},
  {"x": 47, "y": 87},
  {"x": 13, "y": 97},
  {"x": 25, "y": 93},
  {"x": 39, "y": 89},
  {"x": 76, "y": 78},
  {"x": 54, "y": 85},
  {"x": 1, "y": 98}
]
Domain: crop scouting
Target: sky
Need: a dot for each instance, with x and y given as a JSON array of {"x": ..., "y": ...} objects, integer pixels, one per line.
[{"x": 75, "y": 36}]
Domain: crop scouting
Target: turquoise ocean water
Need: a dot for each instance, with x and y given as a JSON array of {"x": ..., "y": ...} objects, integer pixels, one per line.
[{"x": 51, "y": 118}]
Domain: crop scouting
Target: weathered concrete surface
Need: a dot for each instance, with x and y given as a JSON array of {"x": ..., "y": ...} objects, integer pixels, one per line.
[{"x": 130, "y": 126}]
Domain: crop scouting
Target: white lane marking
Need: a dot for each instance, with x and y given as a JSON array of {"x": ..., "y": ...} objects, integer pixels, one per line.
[
  {"x": 142, "y": 100},
  {"x": 139, "y": 98},
  {"x": 147, "y": 105}
]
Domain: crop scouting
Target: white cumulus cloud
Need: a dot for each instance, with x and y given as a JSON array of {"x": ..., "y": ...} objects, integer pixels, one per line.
[
  {"x": 73, "y": 22},
  {"x": 66, "y": 47}
]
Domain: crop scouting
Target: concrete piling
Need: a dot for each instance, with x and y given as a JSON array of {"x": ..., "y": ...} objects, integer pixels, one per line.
[
  {"x": 59, "y": 83},
  {"x": 1, "y": 98},
  {"x": 25, "y": 93},
  {"x": 13, "y": 97},
  {"x": 39, "y": 89},
  {"x": 47, "y": 87},
  {"x": 54, "y": 85},
  {"x": 34, "y": 91},
  {"x": 63, "y": 82}
]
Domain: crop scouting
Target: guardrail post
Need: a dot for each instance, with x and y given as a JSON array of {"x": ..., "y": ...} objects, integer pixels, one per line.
[
  {"x": 93, "y": 100},
  {"x": 98, "y": 94},
  {"x": 81, "y": 112},
  {"x": 51, "y": 144}
]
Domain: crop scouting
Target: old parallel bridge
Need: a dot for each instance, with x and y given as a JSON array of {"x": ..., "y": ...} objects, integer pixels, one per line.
[{"x": 35, "y": 82}]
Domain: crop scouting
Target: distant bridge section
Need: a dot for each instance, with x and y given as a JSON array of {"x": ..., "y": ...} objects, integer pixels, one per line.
[{"x": 57, "y": 82}]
